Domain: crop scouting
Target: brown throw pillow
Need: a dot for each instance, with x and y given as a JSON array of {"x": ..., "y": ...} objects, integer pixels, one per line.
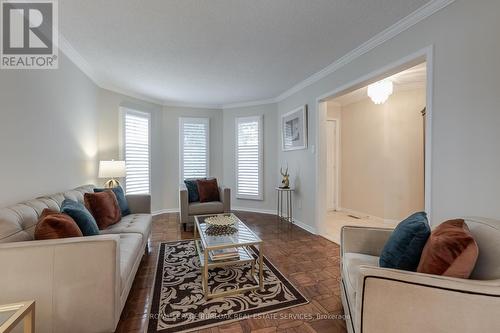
[
  {"x": 208, "y": 190},
  {"x": 104, "y": 208},
  {"x": 450, "y": 250},
  {"x": 54, "y": 225}
]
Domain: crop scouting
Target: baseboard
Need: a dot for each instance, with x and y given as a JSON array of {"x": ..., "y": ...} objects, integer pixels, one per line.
[
  {"x": 255, "y": 210},
  {"x": 165, "y": 211},
  {"x": 366, "y": 215},
  {"x": 298, "y": 223}
]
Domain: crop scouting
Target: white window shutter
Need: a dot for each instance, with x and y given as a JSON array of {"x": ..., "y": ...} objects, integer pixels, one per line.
[
  {"x": 249, "y": 158},
  {"x": 137, "y": 152},
  {"x": 194, "y": 147}
]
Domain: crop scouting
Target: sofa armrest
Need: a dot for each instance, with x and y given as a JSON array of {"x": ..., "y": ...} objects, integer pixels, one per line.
[
  {"x": 183, "y": 203},
  {"x": 364, "y": 240},
  {"x": 139, "y": 203},
  {"x": 225, "y": 198},
  {"x": 74, "y": 281},
  {"x": 391, "y": 300}
]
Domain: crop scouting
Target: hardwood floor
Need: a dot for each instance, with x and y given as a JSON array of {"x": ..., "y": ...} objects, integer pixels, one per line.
[{"x": 311, "y": 262}]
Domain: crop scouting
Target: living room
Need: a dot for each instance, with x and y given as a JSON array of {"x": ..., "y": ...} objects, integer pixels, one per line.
[{"x": 218, "y": 108}]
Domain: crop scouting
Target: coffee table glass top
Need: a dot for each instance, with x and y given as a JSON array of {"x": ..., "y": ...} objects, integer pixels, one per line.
[{"x": 243, "y": 235}]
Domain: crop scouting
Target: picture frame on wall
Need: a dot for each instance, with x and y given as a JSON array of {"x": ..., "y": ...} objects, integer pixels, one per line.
[{"x": 294, "y": 129}]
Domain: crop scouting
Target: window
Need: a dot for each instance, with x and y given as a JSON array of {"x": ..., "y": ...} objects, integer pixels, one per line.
[
  {"x": 193, "y": 147},
  {"x": 137, "y": 151},
  {"x": 249, "y": 158}
]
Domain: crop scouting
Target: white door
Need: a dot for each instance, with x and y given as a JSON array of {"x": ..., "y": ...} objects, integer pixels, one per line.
[{"x": 331, "y": 164}]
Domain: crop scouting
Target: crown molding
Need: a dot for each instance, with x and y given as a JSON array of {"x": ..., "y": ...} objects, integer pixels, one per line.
[
  {"x": 382, "y": 37},
  {"x": 389, "y": 33},
  {"x": 250, "y": 103}
]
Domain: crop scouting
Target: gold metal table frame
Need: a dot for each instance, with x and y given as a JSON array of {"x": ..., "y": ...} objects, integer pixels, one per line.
[
  {"x": 20, "y": 312},
  {"x": 242, "y": 240}
]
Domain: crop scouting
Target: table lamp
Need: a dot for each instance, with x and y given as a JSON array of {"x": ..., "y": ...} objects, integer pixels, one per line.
[{"x": 112, "y": 169}]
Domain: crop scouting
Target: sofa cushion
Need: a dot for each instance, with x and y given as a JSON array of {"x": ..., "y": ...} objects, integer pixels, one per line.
[
  {"x": 405, "y": 245},
  {"x": 450, "y": 250},
  {"x": 120, "y": 197},
  {"x": 134, "y": 223},
  {"x": 192, "y": 188},
  {"x": 130, "y": 246},
  {"x": 202, "y": 208},
  {"x": 54, "y": 225},
  {"x": 208, "y": 190},
  {"x": 81, "y": 216},
  {"x": 104, "y": 208},
  {"x": 350, "y": 270}
]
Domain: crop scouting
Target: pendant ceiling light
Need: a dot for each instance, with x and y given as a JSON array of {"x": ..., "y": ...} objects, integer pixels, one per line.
[{"x": 380, "y": 91}]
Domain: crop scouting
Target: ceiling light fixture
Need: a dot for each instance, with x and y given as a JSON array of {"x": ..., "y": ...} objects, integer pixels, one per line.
[{"x": 380, "y": 91}]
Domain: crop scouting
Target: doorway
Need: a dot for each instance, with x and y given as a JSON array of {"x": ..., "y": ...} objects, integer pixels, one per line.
[{"x": 374, "y": 153}]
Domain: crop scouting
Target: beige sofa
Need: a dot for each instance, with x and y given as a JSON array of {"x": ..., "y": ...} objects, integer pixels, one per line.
[
  {"x": 80, "y": 284},
  {"x": 381, "y": 300},
  {"x": 189, "y": 210}
]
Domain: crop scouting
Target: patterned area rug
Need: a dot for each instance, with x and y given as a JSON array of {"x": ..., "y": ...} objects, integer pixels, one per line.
[{"x": 178, "y": 303}]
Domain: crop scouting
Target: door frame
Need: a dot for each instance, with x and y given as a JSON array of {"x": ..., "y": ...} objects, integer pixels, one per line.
[
  {"x": 423, "y": 55},
  {"x": 336, "y": 176}
]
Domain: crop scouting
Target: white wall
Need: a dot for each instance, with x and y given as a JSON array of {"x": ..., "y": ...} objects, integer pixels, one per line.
[
  {"x": 47, "y": 131},
  {"x": 164, "y": 142},
  {"x": 466, "y": 119},
  {"x": 271, "y": 167},
  {"x": 382, "y": 156}
]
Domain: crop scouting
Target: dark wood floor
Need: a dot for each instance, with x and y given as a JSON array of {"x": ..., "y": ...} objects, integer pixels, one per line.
[{"x": 310, "y": 262}]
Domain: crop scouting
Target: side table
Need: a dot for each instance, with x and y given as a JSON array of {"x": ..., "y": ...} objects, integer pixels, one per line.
[
  {"x": 287, "y": 193},
  {"x": 13, "y": 314}
]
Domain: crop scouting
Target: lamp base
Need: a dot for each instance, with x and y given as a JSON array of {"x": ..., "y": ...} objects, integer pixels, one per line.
[{"x": 112, "y": 183}]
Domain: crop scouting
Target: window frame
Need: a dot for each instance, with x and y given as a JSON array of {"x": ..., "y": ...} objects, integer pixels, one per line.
[
  {"x": 260, "y": 121},
  {"x": 124, "y": 111},
  {"x": 197, "y": 120}
]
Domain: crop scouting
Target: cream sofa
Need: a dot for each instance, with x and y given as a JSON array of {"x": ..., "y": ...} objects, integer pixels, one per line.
[
  {"x": 80, "y": 284},
  {"x": 381, "y": 300},
  {"x": 188, "y": 210}
]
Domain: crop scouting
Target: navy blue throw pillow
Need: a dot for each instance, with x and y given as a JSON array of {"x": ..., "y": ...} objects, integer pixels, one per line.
[
  {"x": 120, "y": 196},
  {"x": 192, "y": 187},
  {"x": 82, "y": 217},
  {"x": 405, "y": 245}
]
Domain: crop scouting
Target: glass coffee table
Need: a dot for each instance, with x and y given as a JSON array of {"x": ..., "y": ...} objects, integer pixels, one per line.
[{"x": 241, "y": 240}]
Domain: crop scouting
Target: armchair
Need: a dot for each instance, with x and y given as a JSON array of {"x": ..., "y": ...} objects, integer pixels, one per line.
[
  {"x": 385, "y": 300},
  {"x": 188, "y": 210}
]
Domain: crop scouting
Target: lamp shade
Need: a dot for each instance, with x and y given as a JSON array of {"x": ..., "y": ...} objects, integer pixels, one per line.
[{"x": 111, "y": 169}]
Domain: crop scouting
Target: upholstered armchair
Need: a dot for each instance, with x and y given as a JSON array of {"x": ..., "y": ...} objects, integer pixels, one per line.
[
  {"x": 381, "y": 300},
  {"x": 188, "y": 210}
]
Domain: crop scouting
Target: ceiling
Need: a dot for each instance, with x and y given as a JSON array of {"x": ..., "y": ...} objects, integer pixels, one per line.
[
  {"x": 218, "y": 52},
  {"x": 410, "y": 79}
]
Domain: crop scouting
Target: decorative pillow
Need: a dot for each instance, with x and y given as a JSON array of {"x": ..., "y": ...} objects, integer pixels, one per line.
[
  {"x": 405, "y": 245},
  {"x": 192, "y": 187},
  {"x": 104, "y": 208},
  {"x": 54, "y": 225},
  {"x": 120, "y": 196},
  {"x": 208, "y": 190},
  {"x": 450, "y": 250},
  {"x": 81, "y": 216}
]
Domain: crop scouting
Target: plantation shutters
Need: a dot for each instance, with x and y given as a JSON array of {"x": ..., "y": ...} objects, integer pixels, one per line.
[
  {"x": 137, "y": 152},
  {"x": 249, "y": 158},
  {"x": 194, "y": 147}
]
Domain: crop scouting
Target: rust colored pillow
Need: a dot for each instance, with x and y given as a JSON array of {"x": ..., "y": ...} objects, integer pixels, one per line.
[
  {"x": 450, "y": 250},
  {"x": 208, "y": 190},
  {"x": 54, "y": 225},
  {"x": 104, "y": 208}
]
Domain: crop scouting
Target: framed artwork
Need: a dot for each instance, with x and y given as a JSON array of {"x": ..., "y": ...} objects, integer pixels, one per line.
[{"x": 294, "y": 129}]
